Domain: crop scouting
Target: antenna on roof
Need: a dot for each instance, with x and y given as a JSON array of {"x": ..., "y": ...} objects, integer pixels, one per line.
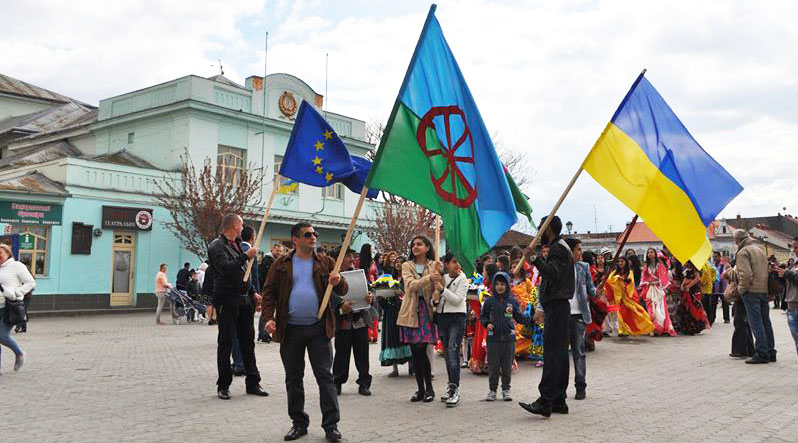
[{"x": 221, "y": 68}]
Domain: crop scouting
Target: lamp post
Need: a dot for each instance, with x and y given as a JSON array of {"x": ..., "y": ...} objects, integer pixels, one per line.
[
  {"x": 765, "y": 240},
  {"x": 569, "y": 226}
]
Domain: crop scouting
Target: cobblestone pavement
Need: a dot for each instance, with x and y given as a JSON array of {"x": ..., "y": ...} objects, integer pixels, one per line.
[{"x": 119, "y": 378}]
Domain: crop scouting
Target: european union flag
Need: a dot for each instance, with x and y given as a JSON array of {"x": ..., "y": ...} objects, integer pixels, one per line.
[{"x": 316, "y": 155}]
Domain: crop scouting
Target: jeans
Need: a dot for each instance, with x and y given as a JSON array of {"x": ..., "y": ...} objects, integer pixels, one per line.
[
  {"x": 554, "y": 380},
  {"x": 295, "y": 341},
  {"x": 162, "y": 298},
  {"x": 500, "y": 363},
  {"x": 238, "y": 360},
  {"x": 792, "y": 321},
  {"x": 758, "y": 312},
  {"x": 577, "y": 334},
  {"x": 236, "y": 324},
  {"x": 5, "y": 336},
  {"x": 348, "y": 342},
  {"x": 452, "y": 330}
]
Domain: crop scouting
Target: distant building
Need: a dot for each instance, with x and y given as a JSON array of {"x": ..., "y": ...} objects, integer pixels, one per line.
[{"x": 76, "y": 181}]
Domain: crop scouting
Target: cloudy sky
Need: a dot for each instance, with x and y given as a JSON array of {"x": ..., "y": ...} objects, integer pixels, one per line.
[{"x": 547, "y": 76}]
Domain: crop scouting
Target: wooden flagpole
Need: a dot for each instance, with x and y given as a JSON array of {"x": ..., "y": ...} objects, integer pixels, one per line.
[
  {"x": 546, "y": 223},
  {"x": 618, "y": 252},
  {"x": 437, "y": 237},
  {"x": 342, "y": 253},
  {"x": 275, "y": 188}
]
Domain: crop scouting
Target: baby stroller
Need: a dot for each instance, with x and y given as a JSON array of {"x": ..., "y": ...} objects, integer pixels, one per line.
[{"x": 185, "y": 306}]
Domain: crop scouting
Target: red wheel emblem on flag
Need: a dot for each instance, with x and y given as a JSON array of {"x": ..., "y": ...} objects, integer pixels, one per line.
[{"x": 449, "y": 151}]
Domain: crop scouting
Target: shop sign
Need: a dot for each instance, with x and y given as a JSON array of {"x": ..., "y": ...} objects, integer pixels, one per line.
[
  {"x": 30, "y": 213},
  {"x": 119, "y": 217},
  {"x": 26, "y": 241}
]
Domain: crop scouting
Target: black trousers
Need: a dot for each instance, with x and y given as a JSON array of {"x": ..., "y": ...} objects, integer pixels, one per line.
[
  {"x": 348, "y": 342},
  {"x": 554, "y": 380},
  {"x": 742, "y": 338},
  {"x": 295, "y": 341},
  {"x": 500, "y": 363},
  {"x": 236, "y": 322}
]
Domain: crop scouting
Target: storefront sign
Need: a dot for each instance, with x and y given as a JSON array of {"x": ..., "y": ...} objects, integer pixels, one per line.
[
  {"x": 26, "y": 241},
  {"x": 30, "y": 213},
  {"x": 117, "y": 217}
]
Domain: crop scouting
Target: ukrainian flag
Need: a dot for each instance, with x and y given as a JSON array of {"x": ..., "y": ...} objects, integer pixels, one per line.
[{"x": 646, "y": 158}]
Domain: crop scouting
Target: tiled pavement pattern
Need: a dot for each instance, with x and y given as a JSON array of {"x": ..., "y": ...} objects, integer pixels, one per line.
[{"x": 119, "y": 378}]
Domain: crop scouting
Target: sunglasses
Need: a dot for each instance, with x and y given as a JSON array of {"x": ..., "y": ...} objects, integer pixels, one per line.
[{"x": 310, "y": 234}]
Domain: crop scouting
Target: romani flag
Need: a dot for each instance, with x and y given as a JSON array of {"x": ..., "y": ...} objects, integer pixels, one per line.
[{"x": 437, "y": 152}]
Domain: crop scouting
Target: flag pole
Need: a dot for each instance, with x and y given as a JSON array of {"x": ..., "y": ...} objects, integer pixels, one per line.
[
  {"x": 618, "y": 252},
  {"x": 342, "y": 253},
  {"x": 275, "y": 187},
  {"x": 437, "y": 237},
  {"x": 546, "y": 223}
]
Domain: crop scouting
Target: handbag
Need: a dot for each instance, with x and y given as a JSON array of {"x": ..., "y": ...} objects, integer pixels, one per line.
[
  {"x": 14, "y": 312},
  {"x": 731, "y": 293}
]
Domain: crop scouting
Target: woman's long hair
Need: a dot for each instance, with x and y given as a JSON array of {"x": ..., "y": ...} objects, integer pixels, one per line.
[
  {"x": 623, "y": 272},
  {"x": 365, "y": 257},
  {"x": 427, "y": 242},
  {"x": 656, "y": 259}
]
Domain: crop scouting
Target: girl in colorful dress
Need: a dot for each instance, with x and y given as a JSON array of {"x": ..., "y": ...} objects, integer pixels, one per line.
[
  {"x": 673, "y": 295},
  {"x": 598, "y": 303},
  {"x": 392, "y": 351},
  {"x": 422, "y": 280},
  {"x": 652, "y": 290},
  {"x": 632, "y": 318},
  {"x": 691, "y": 311}
]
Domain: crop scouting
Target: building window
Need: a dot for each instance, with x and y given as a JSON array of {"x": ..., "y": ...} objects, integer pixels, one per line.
[
  {"x": 335, "y": 192},
  {"x": 34, "y": 242},
  {"x": 231, "y": 161},
  {"x": 131, "y": 137},
  {"x": 286, "y": 186}
]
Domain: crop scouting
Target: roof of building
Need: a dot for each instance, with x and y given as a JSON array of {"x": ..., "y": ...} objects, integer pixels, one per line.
[
  {"x": 40, "y": 154},
  {"x": 125, "y": 158},
  {"x": 784, "y": 223},
  {"x": 32, "y": 183},
  {"x": 513, "y": 238},
  {"x": 225, "y": 80},
  {"x": 57, "y": 118},
  {"x": 641, "y": 233},
  {"x": 10, "y": 85}
]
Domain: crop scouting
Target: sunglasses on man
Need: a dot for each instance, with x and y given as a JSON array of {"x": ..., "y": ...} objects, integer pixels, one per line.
[{"x": 310, "y": 234}]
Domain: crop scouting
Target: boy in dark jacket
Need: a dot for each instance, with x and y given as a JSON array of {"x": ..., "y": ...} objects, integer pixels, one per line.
[{"x": 499, "y": 314}]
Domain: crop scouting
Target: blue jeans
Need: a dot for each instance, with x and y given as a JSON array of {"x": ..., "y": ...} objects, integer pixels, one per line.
[
  {"x": 758, "y": 310},
  {"x": 577, "y": 337},
  {"x": 792, "y": 321},
  {"x": 5, "y": 336},
  {"x": 452, "y": 329}
]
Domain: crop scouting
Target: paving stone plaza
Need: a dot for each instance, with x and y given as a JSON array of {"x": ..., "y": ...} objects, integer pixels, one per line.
[{"x": 118, "y": 378}]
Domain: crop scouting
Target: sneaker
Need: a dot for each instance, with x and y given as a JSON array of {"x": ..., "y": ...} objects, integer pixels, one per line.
[
  {"x": 19, "y": 362},
  {"x": 445, "y": 396},
  {"x": 539, "y": 364},
  {"x": 491, "y": 396},
  {"x": 757, "y": 360},
  {"x": 429, "y": 396},
  {"x": 506, "y": 395},
  {"x": 417, "y": 397},
  {"x": 454, "y": 396}
]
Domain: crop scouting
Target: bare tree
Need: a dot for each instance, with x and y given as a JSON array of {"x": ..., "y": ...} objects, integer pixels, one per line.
[
  {"x": 198, "y": 198},
  {"x": 397, "y": 224}
]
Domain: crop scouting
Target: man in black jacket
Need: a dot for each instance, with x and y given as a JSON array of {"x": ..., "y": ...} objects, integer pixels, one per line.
[
  {"x": 231, "y": 296},
  {"x": 557, "y": 288},
  {"x": 181, "y": 281}
]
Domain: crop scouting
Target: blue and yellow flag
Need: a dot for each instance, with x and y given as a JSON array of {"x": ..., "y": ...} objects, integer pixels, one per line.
[
  {"x": 316, "y": 156},
  {"x": 646, "y": 158}
]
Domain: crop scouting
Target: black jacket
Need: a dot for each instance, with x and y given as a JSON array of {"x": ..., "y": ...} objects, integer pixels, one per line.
[
  {"x": 181, "y": 281},
  {"x": 558, "y": 275},
  {"x": 493, "y": 311},
  {"x": 263, "y": 269},
  {"x": 228, "y": 267}
]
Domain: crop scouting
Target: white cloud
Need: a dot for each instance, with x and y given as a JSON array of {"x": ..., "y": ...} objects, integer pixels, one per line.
[{"x": 546, "y": 75}]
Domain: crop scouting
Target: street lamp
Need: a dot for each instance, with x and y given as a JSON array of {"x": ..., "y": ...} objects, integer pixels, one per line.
[
  {"x": 765, "y": 240},
  {"x": 569, "y": 226}
]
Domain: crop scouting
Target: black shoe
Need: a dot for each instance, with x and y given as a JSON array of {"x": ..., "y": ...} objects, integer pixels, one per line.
[
  {"x": 257, "y": 390},
  {"x": 417, "y": 397},
  {"x": 580, "y": 394},
  {"x": 429, "y": 396},
  {"x": 773, "y": 357},
  {"x": 560, "y": 409},
  {"x": 337, "y": 389},
  {"x": 536, "y": 408},
  {"x": 211, "y": 322},
  {"x": 332, "y": 435},
  {"x": 224, "y": 394},
  {"x": 757, "y": 360},
  {"x": 364, "y": 390},
  {"x": 238, "y": 373},
  {"x": 295, "y": 433}
]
